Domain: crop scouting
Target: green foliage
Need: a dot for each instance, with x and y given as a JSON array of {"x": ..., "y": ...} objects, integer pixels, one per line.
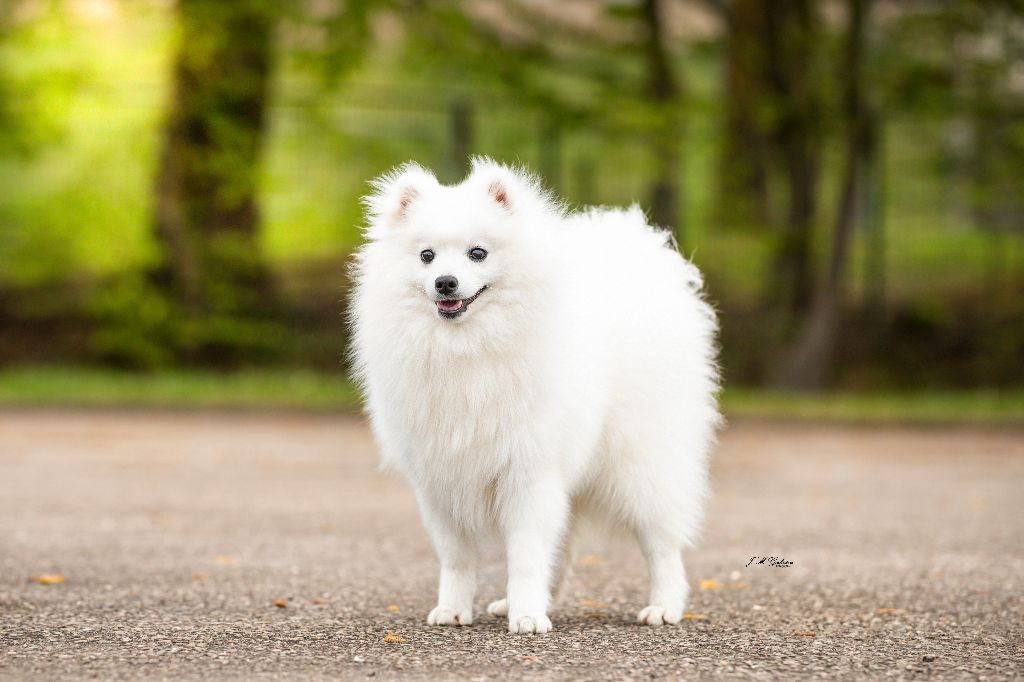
[
  {"x": 867, "y": 407},
  {"x": 29, "y": 91},
  {"x": 329, "y": 39},
  {"x": 975, "y": 87},
  {"x": 361, "y": 86},
  {"x": 78, "y": 387},
  {"x": 90, "y": 98},
  {"x": 136, "y": 324}
]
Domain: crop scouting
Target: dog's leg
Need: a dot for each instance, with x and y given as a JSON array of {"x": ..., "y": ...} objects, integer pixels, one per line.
[
  {"x": 563, "y": 570},
  {"x": 456, "y": 552},
  {"x": 669, "y": 588},
  {"x": 533, "y": 526},
  {"x": 566, "y": 559}
]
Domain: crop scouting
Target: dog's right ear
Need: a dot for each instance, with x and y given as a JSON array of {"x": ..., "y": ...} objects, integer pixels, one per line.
[{"x": 394, "y": 194}]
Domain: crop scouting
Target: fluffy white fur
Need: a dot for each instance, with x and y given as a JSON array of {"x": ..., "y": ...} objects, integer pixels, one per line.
[{"x": 581, "y": 382}]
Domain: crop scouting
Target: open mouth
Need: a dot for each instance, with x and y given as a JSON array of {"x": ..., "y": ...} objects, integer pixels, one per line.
[{"x": 450, "y": 308}]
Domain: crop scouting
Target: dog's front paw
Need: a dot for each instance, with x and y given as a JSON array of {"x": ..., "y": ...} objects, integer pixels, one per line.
[
  {"x": 537, "y": 623},
  {"x": 659, "y": 615},
  {"x": 498, "y": 608},
  {"x": 444, "y": 615}
]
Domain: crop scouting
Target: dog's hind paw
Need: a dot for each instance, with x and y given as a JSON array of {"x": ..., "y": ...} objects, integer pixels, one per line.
[
  {"x": 525, "y": 625},
  {"x": 443, "y": 615},
  {"x": 659, "y": 615},
  {"x": 498, "y": 608}
]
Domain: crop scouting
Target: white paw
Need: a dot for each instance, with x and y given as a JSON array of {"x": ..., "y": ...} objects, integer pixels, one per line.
[
  {"x": 524, "y": 625},
  {"x": 659, "y": 615},
  {"x": 498, "y": 608},
  {"x": 443, "y": 615}
]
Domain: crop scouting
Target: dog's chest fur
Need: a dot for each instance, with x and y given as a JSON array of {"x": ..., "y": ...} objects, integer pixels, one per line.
[{"x": 467, "y": 424}]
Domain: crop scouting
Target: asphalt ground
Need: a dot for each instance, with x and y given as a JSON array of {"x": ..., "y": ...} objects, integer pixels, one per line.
[{"x": 242, "y": 546}]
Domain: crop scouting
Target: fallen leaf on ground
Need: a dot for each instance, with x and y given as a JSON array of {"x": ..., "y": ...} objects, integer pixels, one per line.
[
  {"x": 393, "y": 608},
  {"x": 224, "y": 560},
  {"x": 530, "y": 659},
  {"x": 48, "y": 579},
  {"x": 693, "y": 616},
  {"x": 281, "y": 603},
  {"x": 710, "y": 584},
  {"x": 199, "y": 577},
  {"x": 592, "y": 560},
  {"x": 317, "y": 601},
  {"x": 805, "y": 634},
  {"x": 738, "y": 586},
  {"x": 592, "y": 604},
  {"x": 392, "y": 638},
  {"x": 882, "y": 610}
]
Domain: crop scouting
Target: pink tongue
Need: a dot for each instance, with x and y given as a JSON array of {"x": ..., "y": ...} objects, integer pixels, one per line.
[{"x": 449, "y": 306}]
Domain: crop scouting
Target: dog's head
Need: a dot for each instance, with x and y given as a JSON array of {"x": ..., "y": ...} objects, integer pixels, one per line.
[{"x": 457, "y": 250}]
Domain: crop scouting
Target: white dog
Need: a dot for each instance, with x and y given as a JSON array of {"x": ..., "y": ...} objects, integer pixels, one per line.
[{"x": 525, "y": 368}]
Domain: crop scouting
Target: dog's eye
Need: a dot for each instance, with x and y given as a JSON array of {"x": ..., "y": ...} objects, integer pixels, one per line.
[
  {"x": 477, "y": 254},
  {"x": 426, "y": 255}
]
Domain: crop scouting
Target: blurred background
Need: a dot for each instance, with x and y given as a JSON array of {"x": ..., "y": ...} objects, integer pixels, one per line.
[{"x": 180, "y": 182}]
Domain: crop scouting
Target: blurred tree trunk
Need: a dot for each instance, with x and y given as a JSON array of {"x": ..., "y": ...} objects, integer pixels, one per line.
[
  {"x": 666, "y": 138},
  {"x": 461, "y": 140},
  {"x": 206, "y": 208},
  {"x": 742, "y": 169},
  {"x": 791, "y": 37},
  {"x": 875, "y": 229},
  {"x": 807, "y": 363}
]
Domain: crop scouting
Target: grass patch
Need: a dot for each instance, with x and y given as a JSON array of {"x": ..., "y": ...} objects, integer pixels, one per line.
[
  {"x": 989, "y": 406},
  {"x": 74, "y": 387},
  {"x": 306, "y": 390}
]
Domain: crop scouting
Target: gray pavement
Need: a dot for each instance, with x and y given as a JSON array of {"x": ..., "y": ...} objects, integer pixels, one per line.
[{"x": 177, "y": 533}]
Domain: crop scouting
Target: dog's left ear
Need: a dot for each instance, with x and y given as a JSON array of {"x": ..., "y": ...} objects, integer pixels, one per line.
[
  {"x": 498, "y": 190},
  {"x": 507, "y": 187},
  {"x": 394, "y": 194}
]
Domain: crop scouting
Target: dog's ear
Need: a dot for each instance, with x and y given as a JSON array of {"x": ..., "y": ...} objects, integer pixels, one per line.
[
  {"x": 498, "y": 190},
  {"x": 394, "y": 193},
  {"x": 508, "y": 188}
]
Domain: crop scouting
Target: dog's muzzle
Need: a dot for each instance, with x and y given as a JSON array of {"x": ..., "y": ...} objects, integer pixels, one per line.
[{"x": 450, "y": 308}]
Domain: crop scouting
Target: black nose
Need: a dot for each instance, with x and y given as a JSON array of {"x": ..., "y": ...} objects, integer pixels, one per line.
[{"x": 446, "y": 284}]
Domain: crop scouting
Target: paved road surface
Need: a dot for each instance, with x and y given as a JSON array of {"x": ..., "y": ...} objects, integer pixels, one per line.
[{"x": 176, "y": 534}]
